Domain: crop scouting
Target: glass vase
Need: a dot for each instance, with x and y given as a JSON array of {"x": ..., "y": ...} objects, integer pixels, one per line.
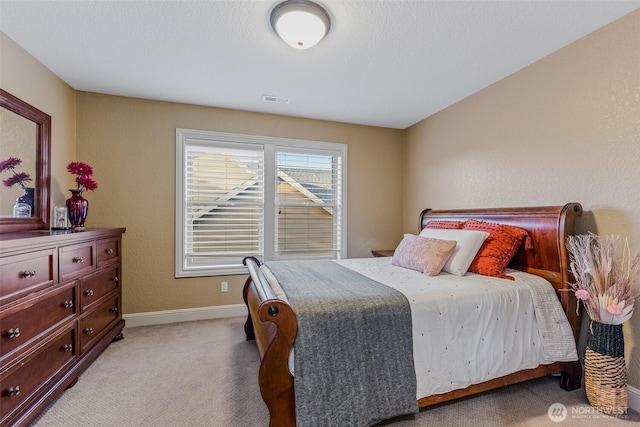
[
  {"x": 78, "y": 208},
  {"x": 24, "y": 203}
]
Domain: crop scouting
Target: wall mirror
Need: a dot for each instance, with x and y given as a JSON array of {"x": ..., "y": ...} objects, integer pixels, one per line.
[{"x": 25, "y": 134}]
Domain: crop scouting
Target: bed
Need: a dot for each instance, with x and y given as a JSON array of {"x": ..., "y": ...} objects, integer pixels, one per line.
[{"x": 273, "y": 324}]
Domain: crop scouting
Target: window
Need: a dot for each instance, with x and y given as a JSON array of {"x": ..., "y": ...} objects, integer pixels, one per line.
[{"x": 242, "y": 195}]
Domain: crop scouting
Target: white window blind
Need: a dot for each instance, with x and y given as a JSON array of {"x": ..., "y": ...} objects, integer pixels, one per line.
[
  {"x": 308, "y": 204},
  {"x": 241, "y": 195}
]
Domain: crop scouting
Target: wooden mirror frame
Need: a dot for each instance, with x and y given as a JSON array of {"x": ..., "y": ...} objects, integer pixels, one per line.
[{"x": 40, "y": 217}]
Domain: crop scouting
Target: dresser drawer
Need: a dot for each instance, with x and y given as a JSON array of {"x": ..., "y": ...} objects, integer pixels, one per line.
[
  {"x": 23, "y": 380},
  {"x": 22, "y": 324},
  {"x": 108, "y": 251},
  {"x": 25, "y": 273},
  {"x": 76, "y": 260},
  {"x": 98, "y": 285},
  {"x": 93, "y": 325}
]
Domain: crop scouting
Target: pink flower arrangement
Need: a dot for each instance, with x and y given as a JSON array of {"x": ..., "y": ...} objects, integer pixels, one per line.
[
  {"x": 83, "y": 173},
  {"x": 11, "y": 164},
  {"x": 606, "y": 277},
  {"x": 582, "y": 294}
]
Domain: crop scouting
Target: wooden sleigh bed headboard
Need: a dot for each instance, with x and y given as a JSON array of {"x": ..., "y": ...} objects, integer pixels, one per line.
[
  {"x": 548, "y": 228},
  {"x": 272, "y": 322}
]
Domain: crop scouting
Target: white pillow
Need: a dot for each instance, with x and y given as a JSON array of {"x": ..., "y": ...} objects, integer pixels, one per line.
[{"x": 469, "y": 242}]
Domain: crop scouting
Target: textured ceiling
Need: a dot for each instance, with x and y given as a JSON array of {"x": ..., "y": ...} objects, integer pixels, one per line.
[{"x": 384, "y": 63}]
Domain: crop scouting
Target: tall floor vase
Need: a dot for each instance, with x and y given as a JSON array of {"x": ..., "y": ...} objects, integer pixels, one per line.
[
  {"x": 605, "y": 371},
  {"x": 78, "y": 208}
]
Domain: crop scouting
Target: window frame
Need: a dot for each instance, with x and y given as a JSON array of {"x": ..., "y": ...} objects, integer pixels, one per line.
[{"x": 270, "y": 146}]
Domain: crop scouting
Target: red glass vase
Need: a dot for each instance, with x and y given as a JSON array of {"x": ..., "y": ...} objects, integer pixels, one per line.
[{"x": 78, "y": 208}]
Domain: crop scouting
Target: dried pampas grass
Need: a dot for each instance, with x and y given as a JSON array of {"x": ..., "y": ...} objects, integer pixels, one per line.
[{"x": 606, "y": 276}]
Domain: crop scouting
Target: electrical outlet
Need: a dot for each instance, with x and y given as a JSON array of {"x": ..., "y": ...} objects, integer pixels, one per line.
[{"x": 224, "y": 286}]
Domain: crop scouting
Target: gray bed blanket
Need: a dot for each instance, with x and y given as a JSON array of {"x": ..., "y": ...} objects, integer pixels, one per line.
[{"x": 353, "y": 355}]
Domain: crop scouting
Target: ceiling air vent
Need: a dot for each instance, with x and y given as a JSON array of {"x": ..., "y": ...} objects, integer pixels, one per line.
[{"x": 276, "y": 99}]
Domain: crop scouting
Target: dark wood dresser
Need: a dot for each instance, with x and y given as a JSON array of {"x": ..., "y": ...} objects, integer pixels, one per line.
[{"x": 60, "y": 307}]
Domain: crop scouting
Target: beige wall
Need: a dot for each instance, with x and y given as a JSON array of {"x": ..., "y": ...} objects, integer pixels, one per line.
[
  {"x": 131, "y": 145},
  {"x": 22, "y": 76},
  {"x": 565, "y": 129}
]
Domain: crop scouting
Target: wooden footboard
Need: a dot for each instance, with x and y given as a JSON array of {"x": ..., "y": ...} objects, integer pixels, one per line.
[{"x": 272, "y": 323}]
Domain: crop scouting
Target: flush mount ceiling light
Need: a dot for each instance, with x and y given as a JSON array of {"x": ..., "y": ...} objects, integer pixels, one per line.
[{"x": 300, "y": 23}]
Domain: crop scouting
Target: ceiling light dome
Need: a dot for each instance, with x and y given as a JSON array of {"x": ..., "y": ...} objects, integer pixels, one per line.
[{"x": 300, "y": 23}]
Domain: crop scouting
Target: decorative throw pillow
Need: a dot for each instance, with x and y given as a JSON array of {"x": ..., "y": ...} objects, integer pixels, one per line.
[
  {"x": 496, "y": 252},
  {"x": 469, "y": 241},
  {"x": 448, "y": 225},
  {"x": 422, "y": 254}
]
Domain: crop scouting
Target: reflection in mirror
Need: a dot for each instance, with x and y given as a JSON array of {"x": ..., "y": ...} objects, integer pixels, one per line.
[
  {"x": 18, "y": 136},
  {"x": 24, "y": 146}
]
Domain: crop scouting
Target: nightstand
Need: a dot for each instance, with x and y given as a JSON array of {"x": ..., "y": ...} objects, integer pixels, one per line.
[{"x": 383, "y": 252}]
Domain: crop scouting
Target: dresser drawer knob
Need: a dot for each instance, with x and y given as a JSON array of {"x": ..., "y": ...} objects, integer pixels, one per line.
[
  {"x": 13, "y": 391},
  {"x": 88, "y": 292},
  {"x": 78, "y": 259},
  {"x": 68, "y": 304},
  {"x": 67, "y": 347},
  {"x": 114, "y": 310},
  {"x": 28, "y": 274},
  {"x": 114, "y": 279},
  {"x": 109, "y": 251},
  {"x": 88, "y": 330},
  {"x": 13, "y": 333}
]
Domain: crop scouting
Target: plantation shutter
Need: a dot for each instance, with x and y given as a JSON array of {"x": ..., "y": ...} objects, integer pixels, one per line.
[
  {"x": 308, "y": 203},
  {"x": 223, "y": 204},
  {"x": 247, "y": 195}
]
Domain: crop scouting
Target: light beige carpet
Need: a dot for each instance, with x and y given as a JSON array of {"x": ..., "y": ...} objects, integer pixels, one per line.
[{"x": 205, "y": 374}]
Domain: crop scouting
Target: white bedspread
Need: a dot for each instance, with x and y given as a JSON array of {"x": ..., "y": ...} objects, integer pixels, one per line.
[{"x": 471, "y": 329}]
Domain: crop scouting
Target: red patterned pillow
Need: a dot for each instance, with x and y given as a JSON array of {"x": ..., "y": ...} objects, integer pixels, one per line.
[
  {"x": 496, "y": 252},
  {"x": 448, "y": 225}
]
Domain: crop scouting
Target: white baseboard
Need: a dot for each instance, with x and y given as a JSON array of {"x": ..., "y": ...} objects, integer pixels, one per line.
[
  {"x": 633, "y": 396},
  {"x": 185, "y": 315}
]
